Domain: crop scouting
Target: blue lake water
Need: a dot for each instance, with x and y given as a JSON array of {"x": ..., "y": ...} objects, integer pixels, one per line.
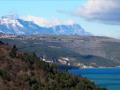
[{"x": 103, "y": 77}]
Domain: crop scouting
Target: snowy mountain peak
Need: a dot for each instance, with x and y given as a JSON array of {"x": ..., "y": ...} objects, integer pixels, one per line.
[
  {"x": 34, "y": 25},
  {"x": 10, "y": 20}
]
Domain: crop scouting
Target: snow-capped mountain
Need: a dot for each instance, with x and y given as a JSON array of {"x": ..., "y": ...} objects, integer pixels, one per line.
[{"x": 19, "y": 26}]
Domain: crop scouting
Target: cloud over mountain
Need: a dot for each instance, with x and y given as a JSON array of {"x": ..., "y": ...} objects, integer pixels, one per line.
[
  {"x": 47, "y": 23},
  {"x": 106, "y": 11}
]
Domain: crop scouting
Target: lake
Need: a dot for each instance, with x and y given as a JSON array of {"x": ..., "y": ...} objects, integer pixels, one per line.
[{"x": 103, "y": 77}]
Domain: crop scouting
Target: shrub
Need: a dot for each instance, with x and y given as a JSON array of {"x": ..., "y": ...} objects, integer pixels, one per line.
[{"x": 13, "y": 52}]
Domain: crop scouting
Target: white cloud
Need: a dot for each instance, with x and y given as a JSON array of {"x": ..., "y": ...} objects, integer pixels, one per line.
[
  {"x": 106, "y": 11},
  {"x": 38, "y": 20},
  {"x": 44, "y": 22}
]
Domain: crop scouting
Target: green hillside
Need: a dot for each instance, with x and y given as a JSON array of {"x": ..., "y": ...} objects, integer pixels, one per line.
[{"x": 90, "y": 51}]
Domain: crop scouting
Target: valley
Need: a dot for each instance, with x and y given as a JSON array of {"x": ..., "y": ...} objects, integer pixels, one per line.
[{"x": 74, "y": 50}]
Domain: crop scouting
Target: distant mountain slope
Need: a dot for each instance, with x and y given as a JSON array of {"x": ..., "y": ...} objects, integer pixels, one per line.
[
  {"x": 19, "y": 26},
  {"x": 91, "y": 51}
]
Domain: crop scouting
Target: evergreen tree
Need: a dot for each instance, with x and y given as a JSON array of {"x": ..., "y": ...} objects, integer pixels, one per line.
[{"x": 13, "y": 51}]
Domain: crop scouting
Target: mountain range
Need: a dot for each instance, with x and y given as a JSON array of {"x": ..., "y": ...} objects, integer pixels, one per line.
[{"x": 19, "y": 26}]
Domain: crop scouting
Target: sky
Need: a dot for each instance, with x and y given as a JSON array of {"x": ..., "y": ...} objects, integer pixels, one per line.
[{"x": 99, "y": 17}]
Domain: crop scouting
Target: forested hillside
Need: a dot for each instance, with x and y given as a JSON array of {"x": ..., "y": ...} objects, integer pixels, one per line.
[{"x": 23, "y": 71}]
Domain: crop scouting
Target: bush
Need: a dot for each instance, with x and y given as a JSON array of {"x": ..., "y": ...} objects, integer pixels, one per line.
[
  {"x": 4, "y": 74},
  {"x": 13, "y": 52}
]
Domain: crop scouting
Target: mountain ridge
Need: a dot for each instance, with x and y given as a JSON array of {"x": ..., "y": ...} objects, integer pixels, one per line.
[{"x": 19, "y": 26}]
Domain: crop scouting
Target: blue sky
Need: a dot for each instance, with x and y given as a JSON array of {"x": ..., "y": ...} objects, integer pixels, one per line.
[{"x": 69, "y": 9}]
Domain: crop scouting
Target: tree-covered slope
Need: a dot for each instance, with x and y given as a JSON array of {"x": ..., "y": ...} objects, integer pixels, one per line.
[{"x": 22, "y": 71}]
